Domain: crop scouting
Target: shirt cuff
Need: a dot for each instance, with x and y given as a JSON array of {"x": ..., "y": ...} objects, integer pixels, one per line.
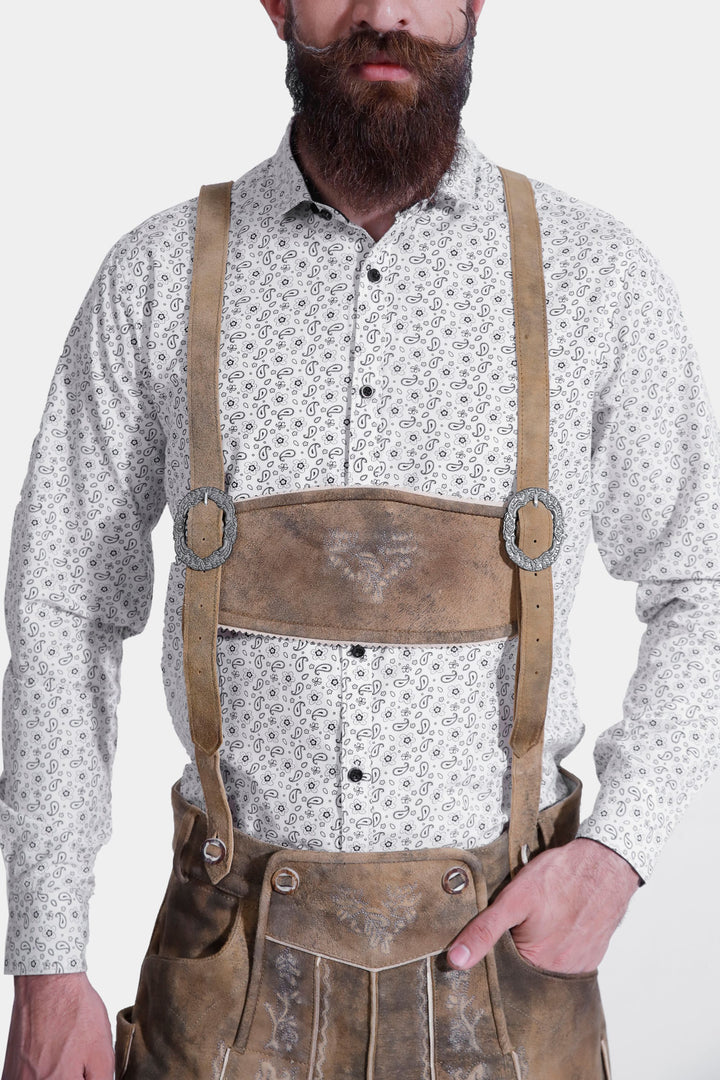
[
  {"x": 48, "y": 922},
  {"x": 635, "y": 830}
]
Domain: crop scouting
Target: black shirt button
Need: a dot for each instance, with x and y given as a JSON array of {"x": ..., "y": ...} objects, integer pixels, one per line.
[
  {"x": 357, "y": 650},
  {"x": 355, "y": 775},
  {"x": 366, "y": 391},
  {"x": 325, "y": 214},
  {"x": 374, "y": 274}
]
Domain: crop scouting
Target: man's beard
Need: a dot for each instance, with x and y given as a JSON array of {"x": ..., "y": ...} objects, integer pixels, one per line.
[{"x": 379, "y": 144}]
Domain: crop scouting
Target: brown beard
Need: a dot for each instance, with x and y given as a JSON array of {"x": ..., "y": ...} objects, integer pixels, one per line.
[{"x": 379, "y": 144}]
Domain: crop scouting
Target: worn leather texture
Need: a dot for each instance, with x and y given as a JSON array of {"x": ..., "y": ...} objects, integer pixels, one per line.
[
  {"x": 534, "y": 655},
  {"x": 346, "y": 975},
  {"x": 205, "y": 521},
  {"x": 369, "y": 564}
]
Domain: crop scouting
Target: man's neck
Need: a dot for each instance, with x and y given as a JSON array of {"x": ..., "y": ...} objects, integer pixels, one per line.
[{"x": 376, "y": 221}]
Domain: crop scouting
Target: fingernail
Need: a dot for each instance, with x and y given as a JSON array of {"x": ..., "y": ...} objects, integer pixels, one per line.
[{"x": 459, "y": 954}]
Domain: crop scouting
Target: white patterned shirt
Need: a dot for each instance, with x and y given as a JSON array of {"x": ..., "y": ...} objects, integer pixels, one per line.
[{"x": 314, "y": 311}]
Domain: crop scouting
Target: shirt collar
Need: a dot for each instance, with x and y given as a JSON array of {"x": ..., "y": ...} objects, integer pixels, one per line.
[{"x": 457, "y": 185}]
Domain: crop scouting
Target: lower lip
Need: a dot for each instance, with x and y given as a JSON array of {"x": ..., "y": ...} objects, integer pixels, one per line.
[{"x": 393, "y": 72}]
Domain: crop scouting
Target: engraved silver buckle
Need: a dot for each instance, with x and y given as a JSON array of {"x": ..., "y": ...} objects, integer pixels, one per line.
[
  {"x": 522, "y": 498},
  {"x": 184, "y": 553}
]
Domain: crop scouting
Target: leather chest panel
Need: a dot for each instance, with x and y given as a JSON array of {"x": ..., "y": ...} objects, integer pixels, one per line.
[{"x": 369, "y": 564}]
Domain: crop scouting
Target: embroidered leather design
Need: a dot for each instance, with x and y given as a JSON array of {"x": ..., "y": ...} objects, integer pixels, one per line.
[
  {"x": 379, "y": 923},
  {"x": 371, "y": 566}
]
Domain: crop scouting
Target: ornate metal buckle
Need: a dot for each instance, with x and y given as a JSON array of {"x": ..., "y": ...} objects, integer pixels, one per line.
[
  {"x": 522, "y": 498},
  {"x": 184, "y": 553}
]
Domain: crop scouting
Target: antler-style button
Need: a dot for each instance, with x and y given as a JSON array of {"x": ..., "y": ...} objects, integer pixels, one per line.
[{"x": 285, "y": 880}]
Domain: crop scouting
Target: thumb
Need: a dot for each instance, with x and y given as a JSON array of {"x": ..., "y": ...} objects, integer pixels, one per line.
[
  {"x": 476, "y": 939},
  {"x": 100, "y": 1064}
]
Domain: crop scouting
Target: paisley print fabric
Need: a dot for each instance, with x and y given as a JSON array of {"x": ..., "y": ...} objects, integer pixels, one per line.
[{"x": 350, "y": 362}]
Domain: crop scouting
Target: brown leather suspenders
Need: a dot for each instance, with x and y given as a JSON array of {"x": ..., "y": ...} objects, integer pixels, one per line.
[
  {"x": 206, "y": 519},
  {"x": 539, "y": 527}
]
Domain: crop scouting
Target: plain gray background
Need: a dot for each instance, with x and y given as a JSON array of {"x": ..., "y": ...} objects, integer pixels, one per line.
[{"x": 116, "y": 111}]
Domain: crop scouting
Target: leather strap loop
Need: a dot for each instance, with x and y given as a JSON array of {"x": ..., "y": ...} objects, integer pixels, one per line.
[
  {"x": 205, "y": 520},
  {"x": 534, "y": 655}
]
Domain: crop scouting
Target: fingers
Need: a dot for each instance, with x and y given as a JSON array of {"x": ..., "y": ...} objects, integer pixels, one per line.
[{"x": 484, "y": 931}]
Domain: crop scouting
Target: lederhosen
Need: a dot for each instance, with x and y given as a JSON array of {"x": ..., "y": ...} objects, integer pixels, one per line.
[{"x": 271, "y": 963}]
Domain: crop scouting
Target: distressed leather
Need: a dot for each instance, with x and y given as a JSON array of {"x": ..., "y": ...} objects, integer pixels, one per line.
[
  {"x": 346, "y": 976},
  {"x": 205, "y": 521},
  {"x": 534, "y": 655},
  {"x": 369, "y": 564}
]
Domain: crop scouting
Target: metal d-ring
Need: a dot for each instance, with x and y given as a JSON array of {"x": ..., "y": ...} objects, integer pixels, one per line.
[
  {"x": 518, "y": 500},
  {"x": 184, "y": 553}
]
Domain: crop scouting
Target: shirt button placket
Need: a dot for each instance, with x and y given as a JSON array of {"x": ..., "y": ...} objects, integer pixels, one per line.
[
  {"x": 373, "y": 276},
  {"x": 355, "y": 750},
  {"x": 368, "y": 355}
]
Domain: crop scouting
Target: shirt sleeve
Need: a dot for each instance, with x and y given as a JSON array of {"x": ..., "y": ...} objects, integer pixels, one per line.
[
  {"x": 656, "y": 521},
  {"x": 80, "y": 580}
]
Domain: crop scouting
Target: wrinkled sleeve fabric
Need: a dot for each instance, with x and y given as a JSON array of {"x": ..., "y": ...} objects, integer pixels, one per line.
[
  {"x": 80, "y": 580},
  {"x": 656, "y": 521}
]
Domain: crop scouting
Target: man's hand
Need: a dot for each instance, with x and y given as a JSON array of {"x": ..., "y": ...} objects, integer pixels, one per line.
[
  {"x": 562, "y": 909},
  {"x": 59, "y": 1028}
]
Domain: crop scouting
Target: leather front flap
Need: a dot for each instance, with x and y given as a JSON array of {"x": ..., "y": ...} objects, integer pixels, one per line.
[{"x": 376, "y": 910}]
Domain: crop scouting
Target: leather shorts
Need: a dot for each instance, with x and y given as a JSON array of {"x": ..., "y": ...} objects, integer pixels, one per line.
[{"x": 316, "y": 965}]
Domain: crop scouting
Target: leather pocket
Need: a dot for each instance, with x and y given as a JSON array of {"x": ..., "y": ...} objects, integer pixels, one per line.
[
  {"x": 554, "y": 1019},
  {"x": 124, "y": 1032},
  {"x": 509, "y": 943},
  {"x": 193, "y": 982},
  {"x": 195, "y": 920},
  {"x": 188, "y": 1009}
]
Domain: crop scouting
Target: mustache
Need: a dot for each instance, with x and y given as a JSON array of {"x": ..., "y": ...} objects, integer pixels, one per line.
[{"x": 399, "y": 46}]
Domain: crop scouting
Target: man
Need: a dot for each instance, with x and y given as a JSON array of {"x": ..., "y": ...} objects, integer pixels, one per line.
[{"x": 378, "y": 90}]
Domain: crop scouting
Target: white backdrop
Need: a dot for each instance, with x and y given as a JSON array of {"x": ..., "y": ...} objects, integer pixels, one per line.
[{"x": 120, "y": 110}]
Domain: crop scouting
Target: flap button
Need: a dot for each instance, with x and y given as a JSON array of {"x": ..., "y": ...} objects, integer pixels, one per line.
[
  {"x": 455, "y": 879},
  {"x": 285, "y": 880},
  {"x": 213, "y": 849}
]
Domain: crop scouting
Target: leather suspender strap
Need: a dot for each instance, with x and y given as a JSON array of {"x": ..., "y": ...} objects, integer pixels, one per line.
[
  {"x": 207, "y": 503},
  {"x": 535, "y": 521},
  {"x": 205, "y": 518}
]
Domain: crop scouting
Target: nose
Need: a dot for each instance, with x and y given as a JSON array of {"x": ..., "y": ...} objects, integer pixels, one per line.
[{"x": 381, "y": 15}]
